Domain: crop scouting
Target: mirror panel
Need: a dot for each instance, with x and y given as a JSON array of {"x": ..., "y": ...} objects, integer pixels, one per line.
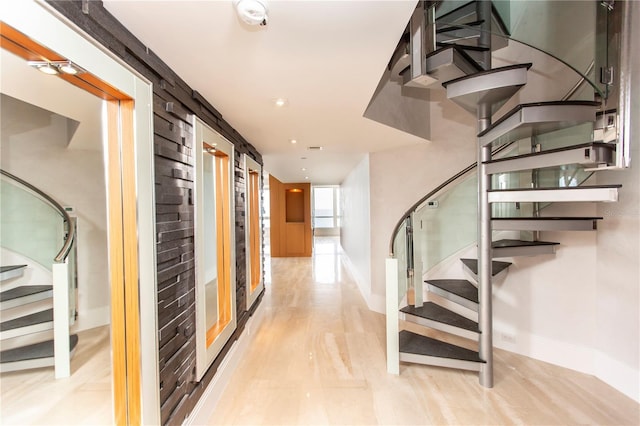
[
  {"x": 253, "y": 230},
  {"x": 214, "y": 245}
]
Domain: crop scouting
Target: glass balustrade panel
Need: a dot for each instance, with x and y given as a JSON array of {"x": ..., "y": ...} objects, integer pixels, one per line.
[
  {"x": 29, "y": 226},
  {"x": 447, "y": 222}
]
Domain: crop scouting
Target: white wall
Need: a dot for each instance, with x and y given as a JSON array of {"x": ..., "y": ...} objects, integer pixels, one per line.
[
  {"x": 399, "y": 177},
  {"x": 35, "y": 147},
  {"x": 355, "y": 233},
  {"x": 617, "y": 308}
]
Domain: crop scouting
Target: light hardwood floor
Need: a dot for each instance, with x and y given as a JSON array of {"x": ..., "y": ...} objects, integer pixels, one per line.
[
  {"x": 319, "y": 358},
  {"x": 35, "y": 397}
]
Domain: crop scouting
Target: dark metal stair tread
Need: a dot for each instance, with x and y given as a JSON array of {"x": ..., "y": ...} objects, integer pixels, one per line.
[
  {"x": 496, "y": 268},
  {"x": 462, "y": 288},
  {"x": 488, "y": 72},
  {"x": 452, "y": 27},
  {"x": 35, "y": 351},
  {"x": 520, "y": 107},
  {"x": 550, "y": 218},
  {"x": 553, "y": 188},
  {"x": 520, "y": 243},
  {"x": 27, "y": 320},
  {"x": 434, "y": 312},
  {"x": 8, "y": 268},
  {"x": 551, "y": 151},
  {"x": 463, "y": 46},
  {"x": 417, "y": 344},
  {"x": 22, "y": 291}
]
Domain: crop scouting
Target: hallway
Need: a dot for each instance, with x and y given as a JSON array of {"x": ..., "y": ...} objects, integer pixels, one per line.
[{"x": 319, "y": 358}]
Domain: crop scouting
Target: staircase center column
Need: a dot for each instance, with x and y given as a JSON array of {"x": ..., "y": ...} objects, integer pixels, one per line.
[{"x": 485, "y": 314}]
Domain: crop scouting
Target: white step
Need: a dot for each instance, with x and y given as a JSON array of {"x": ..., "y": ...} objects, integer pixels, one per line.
[
  {"x": 37, "y": 355},
  {"x": 515, "y": 248},
  {"x": 602, "y": 193},
  {"x": 33, "y": 323},
  {"x": 527, "y": 120},
  {"x": 11, "y": 271},
  {"x": 591, "y": 154},
  {"x": 419, "y": 349},
  {"x": 545, "y": 223},
  {"x": 25, "y": 294}
]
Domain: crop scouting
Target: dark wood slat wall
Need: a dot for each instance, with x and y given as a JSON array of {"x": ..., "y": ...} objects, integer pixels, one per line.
[{"x": 174, "y": 104}]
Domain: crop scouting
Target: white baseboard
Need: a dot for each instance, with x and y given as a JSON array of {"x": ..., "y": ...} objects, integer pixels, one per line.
[
  {"x": 563, "y": 354},
  {"x": 211, "y": 396},
  {"x": 375, "y": 302},
  {"x": 92, "y": 318},
  {"x": 620, "y": 376}
]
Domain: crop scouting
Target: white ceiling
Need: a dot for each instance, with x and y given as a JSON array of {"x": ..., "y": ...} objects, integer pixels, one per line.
[{"x": 325, "y": 57}]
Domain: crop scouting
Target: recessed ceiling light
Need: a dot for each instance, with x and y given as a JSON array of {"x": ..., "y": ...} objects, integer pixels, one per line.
[
  {"x": 306, "y": 177},
  {"x": 48, "y": 69},
  {"x": 68, "y": 68},
  {"x": 293, "y": 141},
  {"x": 281, "y": 102},
  {"x": 303, "y": 169},
  {"x": 252, "y": 12}
]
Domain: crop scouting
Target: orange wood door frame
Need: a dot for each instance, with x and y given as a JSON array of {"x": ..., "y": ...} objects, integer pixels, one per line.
[{"x": 122, "y": 223}]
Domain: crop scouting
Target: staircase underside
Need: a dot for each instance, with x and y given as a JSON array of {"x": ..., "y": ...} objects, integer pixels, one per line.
[{"x": 545, "y": 223}]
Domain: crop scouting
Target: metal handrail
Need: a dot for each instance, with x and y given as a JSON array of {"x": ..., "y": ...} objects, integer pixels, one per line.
[
  {"x": 430, "y": 194},
  {"x": 71, "y": 232},
  {"x": 580, "y": 82}
]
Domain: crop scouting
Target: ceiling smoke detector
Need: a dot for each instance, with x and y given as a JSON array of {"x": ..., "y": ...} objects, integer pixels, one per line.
[{"x": 252, "y": 12}]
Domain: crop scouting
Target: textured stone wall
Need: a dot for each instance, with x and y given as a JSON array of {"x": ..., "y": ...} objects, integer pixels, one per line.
[{"x": 174, "y": 104}]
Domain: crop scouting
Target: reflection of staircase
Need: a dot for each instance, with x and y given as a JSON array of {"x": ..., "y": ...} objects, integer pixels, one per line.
[
  {"x": 17, "y": 303},
  {"x": 461, "y": 65}
]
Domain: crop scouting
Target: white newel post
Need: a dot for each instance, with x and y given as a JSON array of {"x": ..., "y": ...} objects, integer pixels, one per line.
[
  {"x": 393, "y": 345},
  {"x": 61, "y": 354}
]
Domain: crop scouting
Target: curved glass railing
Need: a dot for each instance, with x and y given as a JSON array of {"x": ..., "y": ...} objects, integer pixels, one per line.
[
  {"x": 572, "y": 32},
  {"x": 36, "y": 226}
]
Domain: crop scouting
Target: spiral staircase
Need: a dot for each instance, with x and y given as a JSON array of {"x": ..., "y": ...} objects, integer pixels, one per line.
[
  {"x": 528, "y": 157},
  {"x": 37, "y": 279}
]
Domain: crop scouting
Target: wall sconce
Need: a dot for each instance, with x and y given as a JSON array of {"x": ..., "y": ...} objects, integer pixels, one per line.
[{"x": 56, "y": 67}]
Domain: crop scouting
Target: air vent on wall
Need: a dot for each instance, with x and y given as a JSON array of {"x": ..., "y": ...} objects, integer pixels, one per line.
[{"x": 314, "y": 148}]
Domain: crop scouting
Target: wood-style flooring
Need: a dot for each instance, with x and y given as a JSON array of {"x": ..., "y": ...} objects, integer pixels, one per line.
[
  {"x": 35, "y": 397},
  {"x": 319, "y": 358}
]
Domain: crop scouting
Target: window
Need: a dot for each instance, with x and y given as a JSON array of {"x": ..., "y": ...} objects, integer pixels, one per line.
[{"x": 326, "y": 208}]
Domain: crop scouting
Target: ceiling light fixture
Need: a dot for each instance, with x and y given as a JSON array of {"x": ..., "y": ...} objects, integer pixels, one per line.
[
  {"x": 280, "y": 102},
  {"x": 293, "y": 141},
  {"x": 56, "y": 67},
  {"x": 304, "y": 169},
  {"x": 252, "y": 12}
]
